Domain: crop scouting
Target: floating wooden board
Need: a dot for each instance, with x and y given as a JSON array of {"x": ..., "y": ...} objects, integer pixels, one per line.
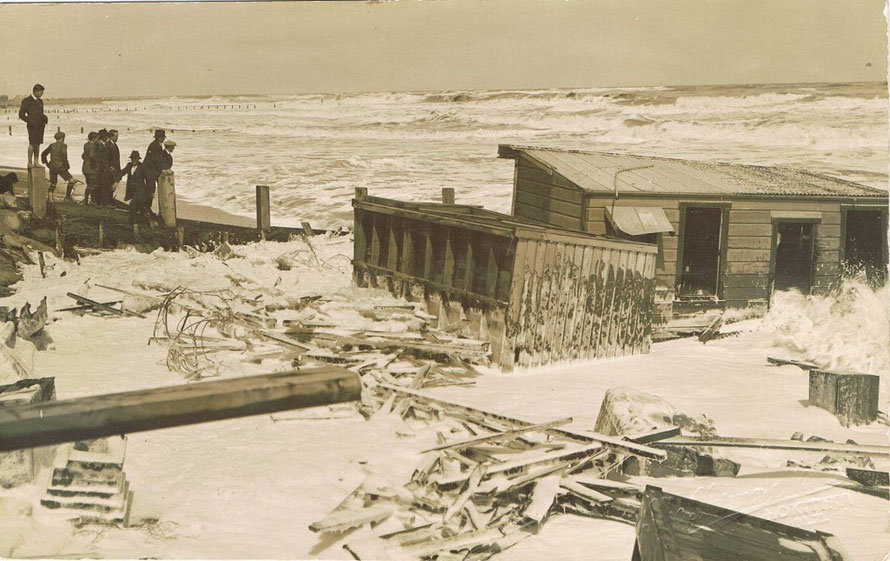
[{"x": 42, "y": 424}]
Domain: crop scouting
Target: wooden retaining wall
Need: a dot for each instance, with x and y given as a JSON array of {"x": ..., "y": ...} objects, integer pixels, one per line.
[
  {"x": 579, "y": 301},
  {"x": 538, "y": 295}
]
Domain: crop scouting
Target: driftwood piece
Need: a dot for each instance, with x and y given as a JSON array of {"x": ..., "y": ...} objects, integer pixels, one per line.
[{"x": 711, "y": 331}]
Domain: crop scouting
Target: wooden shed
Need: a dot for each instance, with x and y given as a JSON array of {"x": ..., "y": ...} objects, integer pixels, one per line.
[
  {"x": 727, "y": 234},
  {"x": 538, "y": 294}
]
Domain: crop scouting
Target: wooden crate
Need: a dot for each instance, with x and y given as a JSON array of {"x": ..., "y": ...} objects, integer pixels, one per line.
[{"x": 538, "y": 294}]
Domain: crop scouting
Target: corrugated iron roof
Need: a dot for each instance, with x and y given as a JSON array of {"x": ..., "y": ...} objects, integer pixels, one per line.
[{"x": 602, "y": 172}]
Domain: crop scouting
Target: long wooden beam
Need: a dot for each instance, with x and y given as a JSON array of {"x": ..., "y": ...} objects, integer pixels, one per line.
[
  {"x": 771, "y": 444},
  {"x": 55, "y": 422},
  {"x": 614, "y": 442}
]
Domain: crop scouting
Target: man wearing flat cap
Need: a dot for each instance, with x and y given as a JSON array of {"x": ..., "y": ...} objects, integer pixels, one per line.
[
  {"x": 31, "y": 111},
  {"x": 169, "y": 145}
]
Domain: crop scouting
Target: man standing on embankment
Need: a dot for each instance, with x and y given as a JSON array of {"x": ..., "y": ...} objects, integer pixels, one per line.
[{"x": 31, "y": 111}]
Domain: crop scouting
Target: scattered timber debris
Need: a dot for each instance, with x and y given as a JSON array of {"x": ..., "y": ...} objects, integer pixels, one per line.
[{"x": 491, "y": 482}]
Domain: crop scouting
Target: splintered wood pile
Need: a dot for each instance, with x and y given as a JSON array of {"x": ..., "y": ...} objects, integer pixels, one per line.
[{"x": 486, "y": 486}]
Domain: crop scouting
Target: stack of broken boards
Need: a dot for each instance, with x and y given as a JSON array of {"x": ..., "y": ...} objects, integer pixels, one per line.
[{"x": 491, "y": 483}]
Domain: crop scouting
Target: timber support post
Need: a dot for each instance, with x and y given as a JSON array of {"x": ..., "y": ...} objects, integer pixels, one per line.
[
  {"x": 167, "y": 198},
  {"x": 37, "y": 193},
  {"x": 447, "y": 195},
  {"x": 850, "y": 396},
  {"x": 263, "y": 210},
  {"x": 43, "y": 424}
]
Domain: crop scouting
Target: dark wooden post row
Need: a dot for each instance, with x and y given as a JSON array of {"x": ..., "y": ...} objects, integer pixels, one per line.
[{"x": 55, "y": 422}]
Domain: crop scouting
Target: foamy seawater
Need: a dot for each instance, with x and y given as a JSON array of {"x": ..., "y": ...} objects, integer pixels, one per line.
[{"x": 315, "y": 149}]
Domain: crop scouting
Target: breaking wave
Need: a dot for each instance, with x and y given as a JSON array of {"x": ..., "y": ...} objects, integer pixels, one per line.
[{"x": 846, "y": 330}]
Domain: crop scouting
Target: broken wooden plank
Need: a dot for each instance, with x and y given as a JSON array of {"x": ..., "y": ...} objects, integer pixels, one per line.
[
  {"x": 583, "y": 492},
  {"x": 100, "y": 306},
  {"x": 613, "y": 442},
  {"x": 509, "y": 432},
  {"x": 711, "y": 331},
  {"x": 564, "y": 456},
  {"x": 542, "y": 497},
  {"x": 42, "y": 424},
  {"x": 82, "y": 307},
  {"x": 869, "y": 477},
  {"x": 786, "y": 361},
  {"x": 775, "y": 444},
  {"x": 281, "y": 338},
  {"x": 654, "y": 435}
]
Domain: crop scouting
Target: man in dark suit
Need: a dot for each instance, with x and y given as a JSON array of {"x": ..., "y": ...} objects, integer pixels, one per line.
[
  {"x": 154, "y": 163},
  {"x": 103, "y": 172},
  {"x": 31, "y": 111},
  {"x": 114, "y": 158}
]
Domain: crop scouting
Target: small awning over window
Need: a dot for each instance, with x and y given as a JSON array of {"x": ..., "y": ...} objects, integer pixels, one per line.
[{"x": 638, "y": 220}]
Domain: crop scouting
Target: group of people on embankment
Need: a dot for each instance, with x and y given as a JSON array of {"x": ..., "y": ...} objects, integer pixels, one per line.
[{"x": 101, "y": 161}]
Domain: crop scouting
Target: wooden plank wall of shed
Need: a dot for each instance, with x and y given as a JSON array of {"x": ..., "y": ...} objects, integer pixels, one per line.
[
  {"x": 749, "y": 243},
  {"x": 665, "y": 275},
  {"x": 548, "y": 197},
  {"x": 572, "y": 301},
  {"x": 750, "y": 240}
]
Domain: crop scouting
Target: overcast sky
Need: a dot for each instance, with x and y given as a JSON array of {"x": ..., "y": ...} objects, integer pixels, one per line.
[{"x": 291, "y": 47}]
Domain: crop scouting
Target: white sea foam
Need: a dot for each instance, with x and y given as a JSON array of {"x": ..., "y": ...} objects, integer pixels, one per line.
[
  {"x": 847, "y": 330},
  {"x": 314, "y": 149}
]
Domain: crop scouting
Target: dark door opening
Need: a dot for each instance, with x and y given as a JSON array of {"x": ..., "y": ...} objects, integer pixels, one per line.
[
  {"x": 701, "y": 251},
  {"x": 864, "y": 239},
  {"x": 794, "y": 256}
]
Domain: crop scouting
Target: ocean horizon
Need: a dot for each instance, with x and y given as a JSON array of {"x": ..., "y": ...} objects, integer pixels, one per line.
[{"x": 313, "y": 149}]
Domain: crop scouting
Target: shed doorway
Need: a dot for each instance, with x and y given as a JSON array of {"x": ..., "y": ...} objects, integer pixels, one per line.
[
  {"x": 701, "y": 251},
  {"x": 865, "y": 239},
  {"x": 794, "y": 242}
]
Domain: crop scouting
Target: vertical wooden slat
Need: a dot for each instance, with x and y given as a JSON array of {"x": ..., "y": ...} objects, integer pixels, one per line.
[
  {"x": 375, "y": 238},
  {"x": 468, "y": 258},
  {"x": 523, "y": 286},
  {"x": 448, "y": 195},
  {"x": 569, "y": 346},
  {"x": 358, "y": 233},
  {"x": 448, "y": 272},
  {"x": 428, "y": 255},
  {"x": 392, "y": 255},
  {"x": 407, "y": 247},
  {"x": 568, "y": 299},
  {"x": 618, "y": 301},
  {"x": 536, "y": 328},
  {"x": 608, "y": 289},
  {"x": 592, "y": 256},
  {"x": 491, "y": 277},
  {"x": 596, "y": 317},
  {"x": 545, "y": 326}
]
